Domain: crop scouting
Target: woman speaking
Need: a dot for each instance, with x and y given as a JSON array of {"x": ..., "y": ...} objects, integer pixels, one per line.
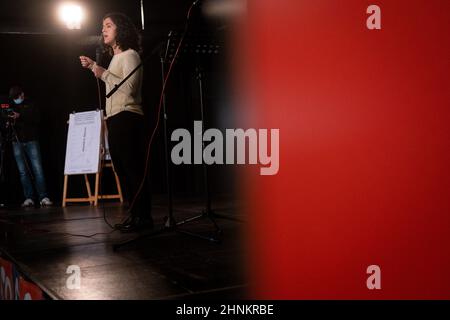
[{"x": 124, "y": 115}]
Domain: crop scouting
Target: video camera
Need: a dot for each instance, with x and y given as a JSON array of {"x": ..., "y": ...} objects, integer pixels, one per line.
[
  {"x": 6, "y": 112},
  {"x": 5, "y": 107}
]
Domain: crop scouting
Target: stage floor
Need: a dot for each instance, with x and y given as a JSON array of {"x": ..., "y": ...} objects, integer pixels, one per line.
[{"x": 171, "y": 265}]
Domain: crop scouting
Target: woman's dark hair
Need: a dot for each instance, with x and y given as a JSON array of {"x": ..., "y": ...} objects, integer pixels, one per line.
[{"x": 127, "y": 34}]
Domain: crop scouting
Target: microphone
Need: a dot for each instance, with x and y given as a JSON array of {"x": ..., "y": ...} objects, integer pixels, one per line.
[
  {"x": 99, "y": 51},
  {"x": 98, "y": 55},
  {"x": 168, "y": 44}
]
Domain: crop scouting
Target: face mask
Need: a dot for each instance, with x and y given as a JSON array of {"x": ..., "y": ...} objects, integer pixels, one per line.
[{"x": 18, "y": 101}]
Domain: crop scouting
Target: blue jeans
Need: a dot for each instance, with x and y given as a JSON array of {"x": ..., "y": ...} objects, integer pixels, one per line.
[{"x": 32, "y": 151}]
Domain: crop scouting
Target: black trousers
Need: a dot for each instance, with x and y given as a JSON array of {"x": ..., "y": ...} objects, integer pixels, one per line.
[{"x": 127, "y": 139}]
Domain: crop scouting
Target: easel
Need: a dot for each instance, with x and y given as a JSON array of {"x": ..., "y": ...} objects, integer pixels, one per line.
[
  {"x": 104, "y": 163},
  {"x": 93, "y": 198}
]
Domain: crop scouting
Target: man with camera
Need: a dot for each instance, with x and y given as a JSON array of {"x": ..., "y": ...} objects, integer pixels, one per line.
[{"x": 24, "y": 121}]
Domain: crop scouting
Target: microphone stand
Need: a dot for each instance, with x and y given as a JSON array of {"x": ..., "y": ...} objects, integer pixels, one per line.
[
  {"x": 117, "y": 86},
  {"x": 170, "y": 220},
  {"x": 170, "y": 223}
]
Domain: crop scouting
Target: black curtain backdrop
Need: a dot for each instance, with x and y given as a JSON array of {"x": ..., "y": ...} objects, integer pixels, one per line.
[{"x": 40, "y": 55}]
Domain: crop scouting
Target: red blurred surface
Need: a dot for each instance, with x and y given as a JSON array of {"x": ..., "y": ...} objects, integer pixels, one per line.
[{"x": 364, "y": 119}]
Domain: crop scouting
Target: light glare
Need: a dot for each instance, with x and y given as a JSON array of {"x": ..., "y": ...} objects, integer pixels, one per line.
[{"x": 72, "y": 15}]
